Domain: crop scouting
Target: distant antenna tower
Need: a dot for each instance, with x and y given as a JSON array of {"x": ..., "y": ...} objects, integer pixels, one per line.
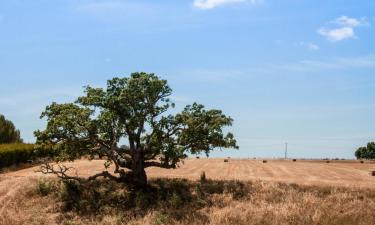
[{"x": 286, "y": 150}]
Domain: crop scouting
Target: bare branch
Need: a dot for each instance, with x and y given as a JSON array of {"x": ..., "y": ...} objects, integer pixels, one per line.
[{"x": 59, "y": 170}]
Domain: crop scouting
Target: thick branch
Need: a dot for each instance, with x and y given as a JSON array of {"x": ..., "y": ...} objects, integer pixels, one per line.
[{"x": 104, "y": 174}]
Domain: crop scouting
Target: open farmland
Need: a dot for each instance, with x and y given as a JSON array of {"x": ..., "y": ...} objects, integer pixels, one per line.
[
  {"x": 339, "y": 192},
  {"x": 340, "y": 173},
  {"x": 309, "y": 172}
]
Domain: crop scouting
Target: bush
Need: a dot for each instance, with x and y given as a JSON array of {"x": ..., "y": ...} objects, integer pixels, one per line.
[
  {"x": 14, "y": 154},
  {"x": 45, "y": 187},
  {"x": 11, "y": 154}
]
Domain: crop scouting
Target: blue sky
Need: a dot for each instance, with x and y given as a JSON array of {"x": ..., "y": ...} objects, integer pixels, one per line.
[{"x": 291, "y": 71}]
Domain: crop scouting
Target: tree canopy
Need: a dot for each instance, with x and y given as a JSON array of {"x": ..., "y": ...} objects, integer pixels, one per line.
[
  {"x": 367, "y": 152},
  {"x": 133, "y": 111},
  {"x": 8, "y": 132}
]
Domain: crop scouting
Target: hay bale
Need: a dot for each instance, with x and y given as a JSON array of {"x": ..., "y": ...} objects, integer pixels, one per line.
[
  {"x": 361, "y": 161},
  {"x": 327, "y": 161},
  {"x": 197, "y": 157},
  {"x": 264, "y": 161},
  {"x": 226, "y": 160},
  {"x": 294, "y": 160},
  {"x": 372, "y": 173}
]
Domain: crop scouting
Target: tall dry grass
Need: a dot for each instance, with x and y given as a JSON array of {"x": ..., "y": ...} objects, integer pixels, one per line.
[{"x": 187, "y": 202}]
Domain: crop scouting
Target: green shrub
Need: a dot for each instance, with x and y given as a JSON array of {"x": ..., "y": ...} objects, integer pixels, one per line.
[
  {"x": 13, "y": 154},
  {"x": 160, "y": 219},
  {"x": 45, "y": 187}
]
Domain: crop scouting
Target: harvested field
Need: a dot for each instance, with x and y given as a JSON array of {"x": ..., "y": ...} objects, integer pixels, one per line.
[
  {"x": 340, "y": 192},
  {"x": 315, "y": 172},
  {"x": 308, "y": 172},
  {"x": 349, "y": 173}
]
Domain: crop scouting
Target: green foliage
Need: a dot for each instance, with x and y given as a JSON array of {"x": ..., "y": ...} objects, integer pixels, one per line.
[
  {"x": 45, "y": 187},
  {"x": 134, "y": 108},
  {"x": 160, "y": 219},
  {"x": 13, "y": 154},
  {"x": 8, "y": 132},
  {"x": 367, "y": 152}
]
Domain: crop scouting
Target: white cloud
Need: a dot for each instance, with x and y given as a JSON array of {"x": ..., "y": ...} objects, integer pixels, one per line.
[
  {"x": 337, "y": 34},
  {"x": 309, "y": 46},
  {"x": 210, "y": 4},
  {"x": 344, "y": 28}
]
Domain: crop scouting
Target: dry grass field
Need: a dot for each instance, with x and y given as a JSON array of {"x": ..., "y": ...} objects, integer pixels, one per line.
[
  {"x": 318, "y": 172},
  {"x": 276, "y": 192}
]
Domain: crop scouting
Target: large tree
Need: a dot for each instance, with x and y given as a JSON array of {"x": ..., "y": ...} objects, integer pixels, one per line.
[
  {"x": 8, "y": 132},
  {"x": 133, "y": 111}
]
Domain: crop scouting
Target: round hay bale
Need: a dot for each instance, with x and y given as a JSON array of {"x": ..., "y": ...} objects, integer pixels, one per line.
[
  {"x": 361, "y": 161},
  {"x": 327, "y": 161},
  {"x": 294, "y": 160},
  {"x": 264, "y": 161},
  {"x": 372, "y": 173},
  {"x": 226, "y": 160}
]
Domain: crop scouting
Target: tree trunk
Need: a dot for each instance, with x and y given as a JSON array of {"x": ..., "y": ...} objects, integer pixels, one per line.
[{"x": 138, "y": 169}]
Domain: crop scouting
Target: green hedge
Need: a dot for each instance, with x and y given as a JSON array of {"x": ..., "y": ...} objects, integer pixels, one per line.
[{"x": 13, "y": 154}]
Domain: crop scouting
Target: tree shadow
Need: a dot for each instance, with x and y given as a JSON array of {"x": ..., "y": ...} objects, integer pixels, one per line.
[{"x": 178, "y": 199}]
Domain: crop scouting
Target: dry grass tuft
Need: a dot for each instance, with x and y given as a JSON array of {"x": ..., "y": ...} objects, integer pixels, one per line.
[{"x": 176, "y": 201}]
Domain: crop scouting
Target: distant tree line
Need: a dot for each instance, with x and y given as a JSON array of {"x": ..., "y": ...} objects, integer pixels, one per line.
[
  {"x": 8, "y": 132},
  {"x": 367, "y": 152}
]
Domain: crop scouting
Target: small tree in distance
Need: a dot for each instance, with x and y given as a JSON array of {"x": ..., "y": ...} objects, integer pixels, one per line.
[
  {"x": 367, "y": 152},
  {"x": 134, "y": 109},
  {"x": 8, "y": 132}
]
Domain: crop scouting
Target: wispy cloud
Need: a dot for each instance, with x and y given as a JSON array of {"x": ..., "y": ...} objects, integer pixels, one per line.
[
  {"x": 343, "y": 28},
  {"x": 210, "y": 4},
  {"x": 35, "y": 100},
  {"x": 274, "y": 68},
  {"x": 310, "y": 46},
  {"x": 115, "y": 8},
  {"x": 350, "y": 22},
  {"x": 361, "y": 62}
]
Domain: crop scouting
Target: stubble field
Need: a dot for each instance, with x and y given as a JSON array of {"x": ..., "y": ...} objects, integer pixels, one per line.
[{"x": 338, "y": 192}]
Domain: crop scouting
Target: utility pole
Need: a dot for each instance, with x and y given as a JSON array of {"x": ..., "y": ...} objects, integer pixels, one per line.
[{"x": 286, "y": 150}]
